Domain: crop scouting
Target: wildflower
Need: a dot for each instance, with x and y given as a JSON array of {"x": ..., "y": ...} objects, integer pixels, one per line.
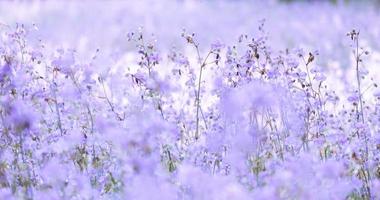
[
  {"x": 320, "y": 77},
  {"x": 354, "y": 97},
  {"x": 291, "y": 62},
  {"x": 64, "y": 62},
  {"x": 20, "y": 116},
  {"x": 151, "y": 188},
  {"x": 377, "y": 94},
  {"x": 154, "y": 58},
  {"x": 217, "y": 46},
  {"x": 5, "y": 71},
  {"x": 255, "y": 95}
]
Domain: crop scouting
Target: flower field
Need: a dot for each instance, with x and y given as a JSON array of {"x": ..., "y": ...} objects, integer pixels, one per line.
[{"x": 190, "y": 100}]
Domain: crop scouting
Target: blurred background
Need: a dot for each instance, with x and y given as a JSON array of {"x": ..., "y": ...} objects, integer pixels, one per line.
[{"x": 311, "y": 24}]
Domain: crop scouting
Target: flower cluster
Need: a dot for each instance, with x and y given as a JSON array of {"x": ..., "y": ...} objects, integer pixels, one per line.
[{"x": 240, "y": 121}]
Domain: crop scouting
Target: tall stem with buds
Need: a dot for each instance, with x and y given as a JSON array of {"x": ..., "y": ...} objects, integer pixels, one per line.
[{"x": 359, "y": 112}]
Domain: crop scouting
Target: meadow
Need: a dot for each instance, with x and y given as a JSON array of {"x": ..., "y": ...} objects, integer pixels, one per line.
[{"x": 190, "y": 100}]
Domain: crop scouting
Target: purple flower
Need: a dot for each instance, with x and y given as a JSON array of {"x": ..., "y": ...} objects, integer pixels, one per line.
[
  {"x": 64, "y": 61},
  {"x": 320, "y": 77},
  {"x": 5, "y": 71},
  {"x": 217, "y": 45},
  {"x": 354, "y": 97},
  {"x": 21, "y": 117},
  {"x": 154, "y": 58}
]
